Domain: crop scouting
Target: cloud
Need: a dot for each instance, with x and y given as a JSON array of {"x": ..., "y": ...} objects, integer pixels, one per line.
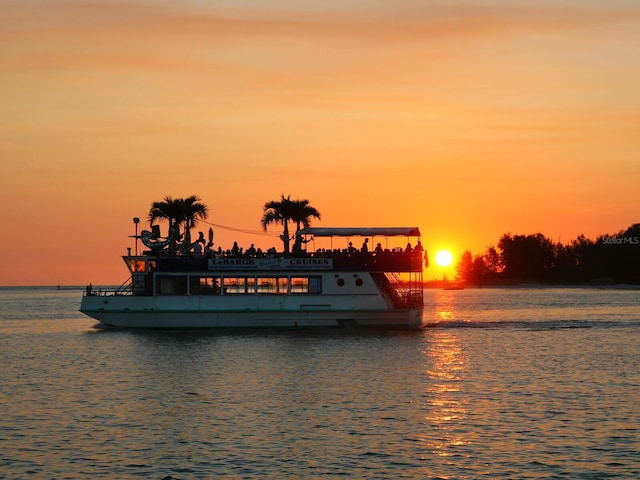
[
  {"x": 97, "y": 19},
  {"x": 236, "y": 46},
  {"x": 441, "y": 68}
]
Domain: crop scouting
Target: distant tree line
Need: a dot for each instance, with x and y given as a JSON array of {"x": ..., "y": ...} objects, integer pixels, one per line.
[{"x": 535, "y": 258}]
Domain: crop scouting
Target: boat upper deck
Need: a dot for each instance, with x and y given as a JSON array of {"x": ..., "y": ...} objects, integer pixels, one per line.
[
  {"x": 386, "y": 261},
  {"x": 376, "y": 259}
]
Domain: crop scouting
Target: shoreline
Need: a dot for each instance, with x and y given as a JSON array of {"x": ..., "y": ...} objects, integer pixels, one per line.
[
  {"x": 438, "y": 285},
  {"x": 429, "y": 285}
]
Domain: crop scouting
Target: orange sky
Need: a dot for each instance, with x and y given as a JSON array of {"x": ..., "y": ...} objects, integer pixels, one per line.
[{"x": 468, "y": 119}]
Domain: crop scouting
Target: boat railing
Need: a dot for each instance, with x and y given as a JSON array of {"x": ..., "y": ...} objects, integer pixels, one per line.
[
  {"x": 387, "y": 261},
  {"x": 401, "y": 293},
  {"x": 124, "y": 289},
  {"x": 406, "y": 294}
]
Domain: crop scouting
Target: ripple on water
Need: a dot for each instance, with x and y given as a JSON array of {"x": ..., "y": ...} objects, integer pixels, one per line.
[{"x": 551, "y": 395}]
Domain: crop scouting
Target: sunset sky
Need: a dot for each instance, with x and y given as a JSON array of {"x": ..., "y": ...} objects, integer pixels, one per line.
[{"x": 466, "y": 118}]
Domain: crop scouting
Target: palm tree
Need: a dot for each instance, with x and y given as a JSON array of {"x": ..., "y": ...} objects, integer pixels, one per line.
[
  {"x": 192, "y": 211},
  {"x": 286, "y": 210},
  {"x": 278, "y": 212},
  {"x": 302, "y": 213},
  {"x": 168, "y": 209},
  {"x": 176, "y": 211}
]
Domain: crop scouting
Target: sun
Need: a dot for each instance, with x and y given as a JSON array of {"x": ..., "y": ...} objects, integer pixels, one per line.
[{"x": 444, "y": 258}]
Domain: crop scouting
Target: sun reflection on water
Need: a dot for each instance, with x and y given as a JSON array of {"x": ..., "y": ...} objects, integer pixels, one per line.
[
  {"x": 446, "y": 411},
  {"x": 443, "y": 304},
  {"x": 445, "y": 315}
]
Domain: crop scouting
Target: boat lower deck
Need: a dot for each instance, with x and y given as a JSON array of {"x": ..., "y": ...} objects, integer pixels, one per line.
[{"x": 410, "y": 318}]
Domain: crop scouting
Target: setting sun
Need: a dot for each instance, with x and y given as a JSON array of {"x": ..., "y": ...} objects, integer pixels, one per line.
[{"x": 444, "y": 258}]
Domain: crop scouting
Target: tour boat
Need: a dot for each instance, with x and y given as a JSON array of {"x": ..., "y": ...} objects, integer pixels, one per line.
[{"x": 344, "y": 287}]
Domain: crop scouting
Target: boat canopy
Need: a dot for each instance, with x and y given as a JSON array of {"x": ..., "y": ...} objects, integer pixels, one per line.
[{"x": 361, "y": 232}]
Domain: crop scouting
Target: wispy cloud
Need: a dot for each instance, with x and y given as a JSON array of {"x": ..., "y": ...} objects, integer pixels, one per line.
[
  {"x": 234, "y": 46},
  {"x": 59, "y": 20}
]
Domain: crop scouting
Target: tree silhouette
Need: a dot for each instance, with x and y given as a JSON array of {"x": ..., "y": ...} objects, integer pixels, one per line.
[
  {"x": 178, "y": 211},
  {"x": 301, "y": 215},
  {"x": 526, "y": 257},
  {"x": 535, "y": 258},
  {"x": 279, "y": 212},
  {"x": 285, "y": 210},
  {"x": 192, "y": 211}
]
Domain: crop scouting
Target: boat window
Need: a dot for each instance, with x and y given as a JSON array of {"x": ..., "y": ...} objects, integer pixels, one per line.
[
  {"x": 171, "y": 285},
  {"x": 299, "y": 284},
  {"x": 215, "y": 285},
  {"x": 251, "y": 285},
  {"x": 131, "y": 264},
  {"x": 306, "y": 284},
  {"x": 136, "y": 265},
  {"x": 266, "y": 285},
  {"x": 315, "y": 284},
  {"x": 239, "y": 285},
  {"x": 276, "y": 285},
  {"x": 205, "y": 285}
]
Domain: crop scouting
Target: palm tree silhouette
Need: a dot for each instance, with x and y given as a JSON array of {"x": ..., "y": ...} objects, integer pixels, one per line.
[
  {"x": 178, "y": 211},
  {"x": 192, "y": 211},
  {"x": 302, "y": 213},
  {"x": 286, "y": 210}
]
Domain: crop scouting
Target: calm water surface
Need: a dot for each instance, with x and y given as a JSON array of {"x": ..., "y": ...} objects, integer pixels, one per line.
[{"x": 520, "y": 383}]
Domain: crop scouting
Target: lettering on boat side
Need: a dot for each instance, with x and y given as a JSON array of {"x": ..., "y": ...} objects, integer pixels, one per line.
[
  {"x": 270, "y": 263},
  {"x": 310, "y": 261},
  {"x": 233, "y": 261}
]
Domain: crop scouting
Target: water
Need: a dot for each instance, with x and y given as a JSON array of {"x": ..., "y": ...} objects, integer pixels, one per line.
[{"x": 521, "y": 383}]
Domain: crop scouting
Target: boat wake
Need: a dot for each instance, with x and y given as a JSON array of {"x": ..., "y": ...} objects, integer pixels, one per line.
[{"x": 531, "y": 325}]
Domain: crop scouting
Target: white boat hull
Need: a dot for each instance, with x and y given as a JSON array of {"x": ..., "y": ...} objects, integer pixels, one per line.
[{"x": 202, "y": 312}]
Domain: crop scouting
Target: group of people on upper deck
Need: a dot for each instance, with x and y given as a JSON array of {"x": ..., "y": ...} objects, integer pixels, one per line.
[
  {"x": 252, "y": 252},
  {"x": 379, "y": 250}
]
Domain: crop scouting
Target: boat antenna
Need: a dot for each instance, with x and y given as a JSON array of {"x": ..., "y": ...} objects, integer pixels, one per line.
[{"x": 136, "y": 221}]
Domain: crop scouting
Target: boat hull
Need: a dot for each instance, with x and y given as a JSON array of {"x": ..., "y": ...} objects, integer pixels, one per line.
[{"x": 129, "y": 312}]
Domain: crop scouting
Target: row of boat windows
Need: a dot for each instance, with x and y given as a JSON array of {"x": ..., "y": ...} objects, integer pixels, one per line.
[{"x": 201, "y": 285}]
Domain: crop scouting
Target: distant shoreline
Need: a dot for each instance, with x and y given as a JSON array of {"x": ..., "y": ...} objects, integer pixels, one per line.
[
  {"x": 47, "y": 287},
  {"x": 429, "y": 285},
  {"x": 435, "y": 285}
]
